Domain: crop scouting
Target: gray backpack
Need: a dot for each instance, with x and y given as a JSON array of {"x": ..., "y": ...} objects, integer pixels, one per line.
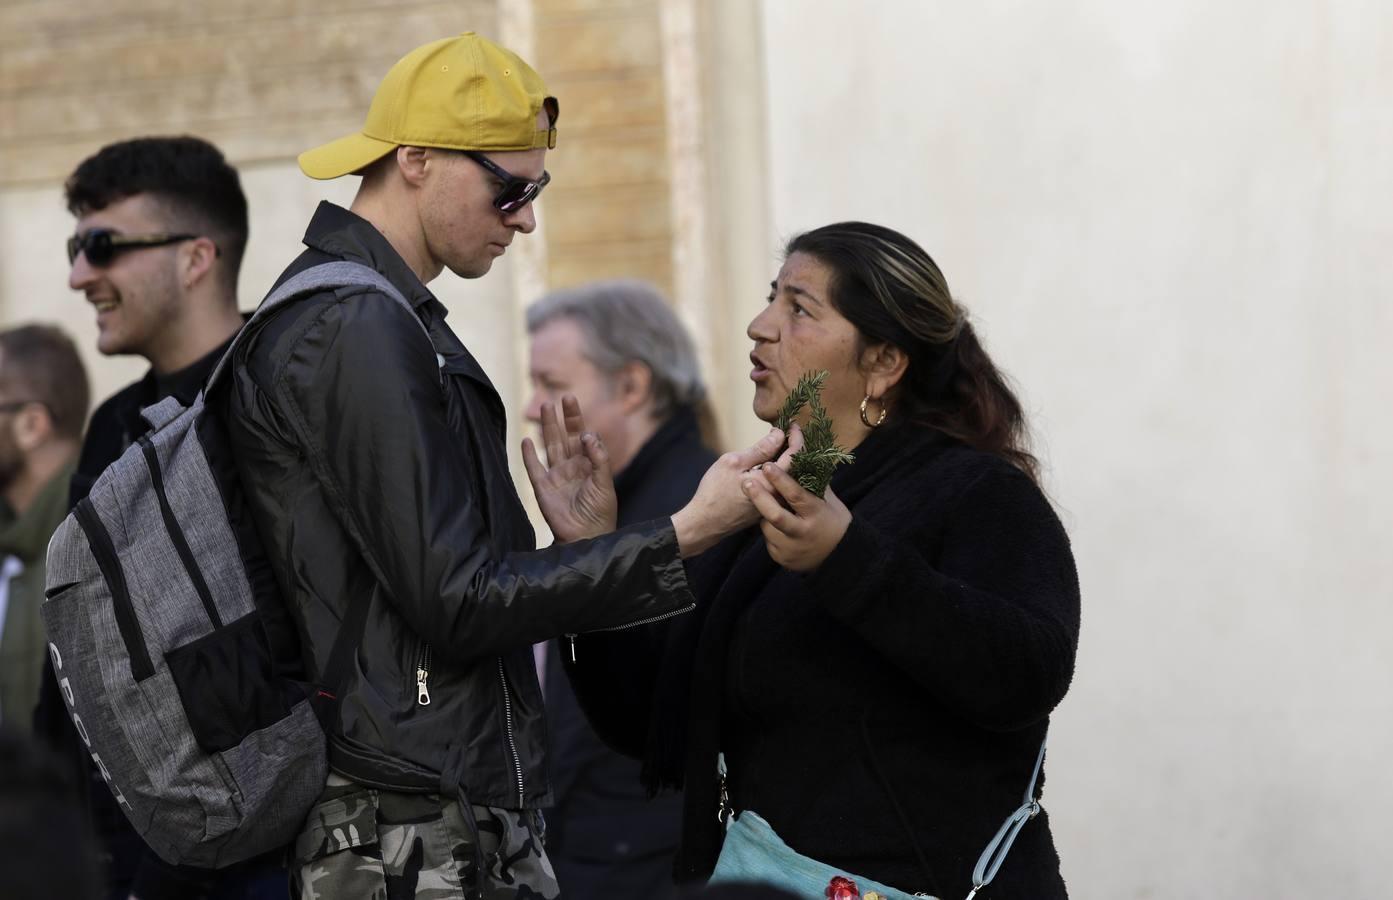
[{"x": 158, "y": 605}]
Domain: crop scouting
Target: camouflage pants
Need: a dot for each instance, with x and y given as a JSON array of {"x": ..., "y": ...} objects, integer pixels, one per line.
[{"x": 365, "y": 844}]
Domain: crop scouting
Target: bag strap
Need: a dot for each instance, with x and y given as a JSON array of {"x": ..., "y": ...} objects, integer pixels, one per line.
[
  {"x": 989, "y": 863},
  {"x": 337, "y": 274},
  {"x": 325, "y": 703}
]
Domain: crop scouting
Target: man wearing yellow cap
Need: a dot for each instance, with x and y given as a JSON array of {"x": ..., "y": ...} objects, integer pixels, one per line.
[{"x": 370, "y": 444}]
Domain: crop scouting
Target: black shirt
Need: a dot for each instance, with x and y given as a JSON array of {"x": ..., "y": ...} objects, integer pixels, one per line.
[{"x": 117, "y": 423}]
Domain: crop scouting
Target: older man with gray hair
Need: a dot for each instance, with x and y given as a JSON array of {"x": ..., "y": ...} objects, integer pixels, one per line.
[{"x": 618, "y": 347}]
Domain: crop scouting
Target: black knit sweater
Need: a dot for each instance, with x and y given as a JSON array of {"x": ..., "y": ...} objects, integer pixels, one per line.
[{"x": 884, "y": 712}]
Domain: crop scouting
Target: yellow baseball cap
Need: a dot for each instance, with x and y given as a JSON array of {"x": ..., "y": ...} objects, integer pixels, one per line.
[{"x": 460, "y": 93}]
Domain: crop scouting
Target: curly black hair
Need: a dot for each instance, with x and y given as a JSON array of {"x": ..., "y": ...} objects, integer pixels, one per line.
[{"x": 189, "y": 177}]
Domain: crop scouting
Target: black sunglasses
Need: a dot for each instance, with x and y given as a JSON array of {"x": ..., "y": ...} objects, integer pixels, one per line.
[
  {"x": 517, "y": 192},
  {"x": 102, "y": 246}
]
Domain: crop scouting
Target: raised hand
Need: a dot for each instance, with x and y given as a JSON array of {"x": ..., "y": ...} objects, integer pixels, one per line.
[
  {"x": 803, "y": 529},
  {"x": 720, "y": 506},
  {"x": 575, "y": 488}
]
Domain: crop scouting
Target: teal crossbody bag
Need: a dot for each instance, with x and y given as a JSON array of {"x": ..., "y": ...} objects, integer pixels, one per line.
[{"x": 753, "y": 851}]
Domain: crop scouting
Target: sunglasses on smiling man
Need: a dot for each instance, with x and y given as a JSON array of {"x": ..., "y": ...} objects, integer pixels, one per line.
[
  {"x": 101, "y": 246},
  {"x": 517, "y": 192}
]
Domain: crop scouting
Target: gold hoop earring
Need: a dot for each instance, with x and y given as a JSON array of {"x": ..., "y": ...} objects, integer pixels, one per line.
[{"x": 866, "y": 419}]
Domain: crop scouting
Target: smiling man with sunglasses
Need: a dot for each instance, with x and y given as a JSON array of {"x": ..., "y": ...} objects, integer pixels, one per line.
[
  {"x": 161, "y": 228},
  {"x": 160, "y": 233}
]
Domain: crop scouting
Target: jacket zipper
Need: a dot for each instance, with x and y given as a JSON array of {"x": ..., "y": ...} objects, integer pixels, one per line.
[
  {"x": 423, "y": 699},
  {"x": 422, "y": 676},
  {"x": 104, "y": 551},
  {"x": 508, "y": 720},
  {"x": 571, "y": 637}
]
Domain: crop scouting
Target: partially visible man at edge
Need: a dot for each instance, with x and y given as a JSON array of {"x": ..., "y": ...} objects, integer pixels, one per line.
[
  {"x": 370, "y": 444},
  {"x": 161, "y": 230},
  {"x": 43, "y": 406},
  {"x": 621, "y": 351}
]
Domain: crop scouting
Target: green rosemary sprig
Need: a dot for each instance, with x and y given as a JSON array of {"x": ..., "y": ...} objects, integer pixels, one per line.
[{"x": 813, "y": 465}]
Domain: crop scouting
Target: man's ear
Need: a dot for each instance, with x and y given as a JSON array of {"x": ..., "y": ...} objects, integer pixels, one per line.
[
  {"x": 413, "y": 163},
  {"x": 33, "y": 426},
  {"x": 633, "y": 386},
  {"x": 197, "y": 260},
  {"x": 884, "y": 365}
]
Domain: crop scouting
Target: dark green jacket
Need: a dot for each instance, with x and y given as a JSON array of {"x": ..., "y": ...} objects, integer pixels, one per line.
[{"x": 22, "y": 640}]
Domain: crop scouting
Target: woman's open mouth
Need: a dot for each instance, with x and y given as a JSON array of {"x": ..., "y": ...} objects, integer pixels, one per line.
[{"x": 760, "y": 371}]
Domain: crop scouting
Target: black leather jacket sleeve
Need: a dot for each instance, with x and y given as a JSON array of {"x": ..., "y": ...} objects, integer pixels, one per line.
[{"x": 362, "y": 391}]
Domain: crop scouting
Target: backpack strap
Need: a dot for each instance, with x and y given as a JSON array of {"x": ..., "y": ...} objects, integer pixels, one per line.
[
  {"x": 337, "y": 274},
  {"x": 325, "y": 701}
]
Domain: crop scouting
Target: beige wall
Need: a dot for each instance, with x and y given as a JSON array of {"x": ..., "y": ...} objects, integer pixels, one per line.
[
  {"x": 261, "y": 80},
  {"x": 608, "y": 211},
  {"x": 1172, "y": 223}
]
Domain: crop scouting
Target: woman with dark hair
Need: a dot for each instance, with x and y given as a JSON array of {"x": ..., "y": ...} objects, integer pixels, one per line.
[{"x": 874, "y": 669}]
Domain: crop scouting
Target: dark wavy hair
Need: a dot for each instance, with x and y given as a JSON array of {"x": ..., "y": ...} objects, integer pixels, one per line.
[
  {"x": 894, "y": 293},
  {"x": 189, "y": 178}
]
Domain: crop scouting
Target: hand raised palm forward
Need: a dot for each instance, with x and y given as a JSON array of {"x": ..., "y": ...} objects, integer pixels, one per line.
[{"x": 574, "y": 488}]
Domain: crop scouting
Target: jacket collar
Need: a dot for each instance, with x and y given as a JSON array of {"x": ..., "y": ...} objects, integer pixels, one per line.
[
  {"x": 347, "y": 235},
  {"x": 680, "y": 427},
  {"x": 344, "y": 234}
]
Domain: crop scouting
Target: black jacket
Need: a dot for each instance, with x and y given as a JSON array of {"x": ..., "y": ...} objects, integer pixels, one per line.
[
  {"x": 375, "y": 468},
  {"x": 605, "y": 836},
  {"x": 884, "y": 712}
]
